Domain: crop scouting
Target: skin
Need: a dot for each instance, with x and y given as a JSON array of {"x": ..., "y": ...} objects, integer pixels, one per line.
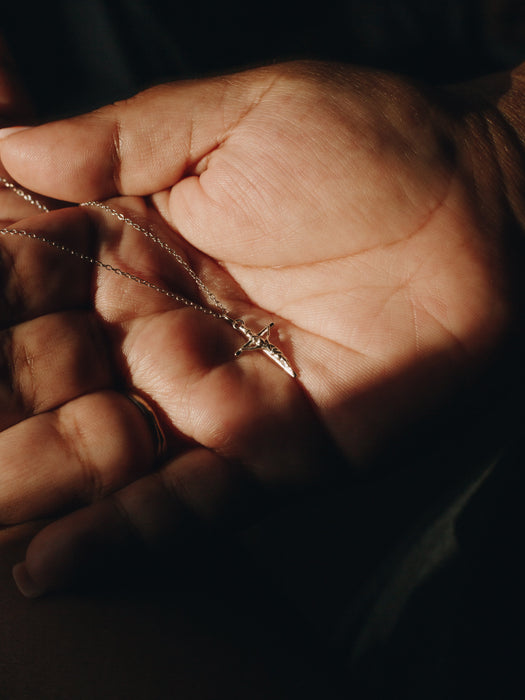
[{"x": 369, "y": 218}]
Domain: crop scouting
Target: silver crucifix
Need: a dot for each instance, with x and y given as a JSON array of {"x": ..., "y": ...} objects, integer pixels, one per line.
[{"x": 261, "y": 341}]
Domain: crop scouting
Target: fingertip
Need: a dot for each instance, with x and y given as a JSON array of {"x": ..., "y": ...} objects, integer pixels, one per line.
[
  {"x": 50, "y": 561},
  {"x": 10, "y": 130},
  {"x": 22, "y": 158},
  {"x": 66, "y": 160},
  {"x": 25, "y": 583}
]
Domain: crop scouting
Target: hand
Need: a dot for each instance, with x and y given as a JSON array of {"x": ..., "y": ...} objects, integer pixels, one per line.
[{"x": 364, "y": 217}]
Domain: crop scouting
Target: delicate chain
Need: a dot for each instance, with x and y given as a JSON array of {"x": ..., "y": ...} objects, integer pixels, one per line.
[
  {"x": 158, "y": 241},
  {"x": 254, "y": 341},
  {"x": 106, "y": 266},
  {"x": 25, "y": 195},
  {"x": 221, "y": 311}
]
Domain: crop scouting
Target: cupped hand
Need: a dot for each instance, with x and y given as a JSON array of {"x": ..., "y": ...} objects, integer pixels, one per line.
[{"x": 369, "y": 219}]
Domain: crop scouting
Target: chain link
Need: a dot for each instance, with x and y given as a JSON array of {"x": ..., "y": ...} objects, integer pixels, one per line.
[{"x": 23, "y": 194}]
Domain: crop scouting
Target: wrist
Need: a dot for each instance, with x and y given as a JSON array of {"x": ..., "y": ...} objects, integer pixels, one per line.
[
  {"x": 506, "y": 127},
  {"x": 511, "y": 103},
  {"x": 491, "y": 141}
]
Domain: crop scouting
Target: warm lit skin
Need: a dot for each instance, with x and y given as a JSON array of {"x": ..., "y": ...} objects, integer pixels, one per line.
[{"x": 365, "y": 218}]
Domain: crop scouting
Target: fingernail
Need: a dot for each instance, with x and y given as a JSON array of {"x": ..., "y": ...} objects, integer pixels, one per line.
[
  {"x": 9, "y": 130},
  {"x": 25, "y": 583}
]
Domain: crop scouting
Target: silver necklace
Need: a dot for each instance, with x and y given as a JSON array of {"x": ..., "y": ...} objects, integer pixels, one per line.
[{"x": 254, "y": 341}]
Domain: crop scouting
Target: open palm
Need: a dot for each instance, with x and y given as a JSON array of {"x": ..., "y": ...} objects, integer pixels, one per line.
[{"x": 341, "y": 204}]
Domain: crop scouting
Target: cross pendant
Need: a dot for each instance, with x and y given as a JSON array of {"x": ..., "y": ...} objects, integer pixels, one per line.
[{"x": 261, "y": 341}]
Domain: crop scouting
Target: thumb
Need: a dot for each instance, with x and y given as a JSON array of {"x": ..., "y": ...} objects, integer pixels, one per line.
[{"x": 138, "y": 146}]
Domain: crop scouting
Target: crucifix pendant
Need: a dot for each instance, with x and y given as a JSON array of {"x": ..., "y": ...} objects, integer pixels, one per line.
[{"x": 261, "y": 341}]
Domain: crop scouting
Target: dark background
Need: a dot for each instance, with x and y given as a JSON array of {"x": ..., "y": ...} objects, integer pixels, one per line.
[{"x": 80, "y": 54}]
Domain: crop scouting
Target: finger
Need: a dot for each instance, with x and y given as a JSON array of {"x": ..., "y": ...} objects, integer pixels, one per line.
[
  {"x": 87, "y": 448},
  {"x": 49, "y": 361},
  {"x": 138, "y": 146},
  {"x": 37, "y": 279},
  {"x": 154, "y": 510}
]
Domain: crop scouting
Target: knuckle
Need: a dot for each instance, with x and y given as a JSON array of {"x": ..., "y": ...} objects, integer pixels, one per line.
[
  {"x": 116, "y": 154},
  {"x": 91, "y": 486}
]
